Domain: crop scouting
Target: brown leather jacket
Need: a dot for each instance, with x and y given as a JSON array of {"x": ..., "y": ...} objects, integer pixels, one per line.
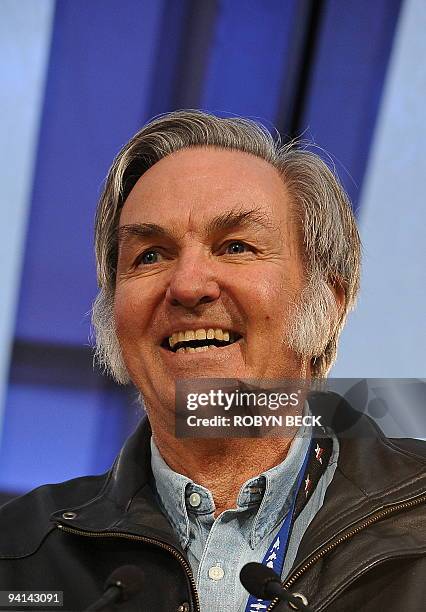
[{"x": 364, "y": 551}]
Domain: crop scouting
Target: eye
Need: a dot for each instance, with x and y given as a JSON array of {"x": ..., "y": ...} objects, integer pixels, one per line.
[
  {"x": 237, "y": 247},
  {"x": 148, "y": 257}
]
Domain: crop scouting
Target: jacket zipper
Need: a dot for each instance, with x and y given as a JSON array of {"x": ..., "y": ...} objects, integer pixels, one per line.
[
  {"x": 346, "y": 536},
  {"x": 128, "y": 536}
]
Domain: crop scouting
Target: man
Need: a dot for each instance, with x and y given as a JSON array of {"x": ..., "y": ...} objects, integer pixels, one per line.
[{"x": 222, "y": 254}]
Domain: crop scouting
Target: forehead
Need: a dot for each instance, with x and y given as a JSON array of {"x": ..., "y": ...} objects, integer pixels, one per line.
[{"x": 198, "y": 184}]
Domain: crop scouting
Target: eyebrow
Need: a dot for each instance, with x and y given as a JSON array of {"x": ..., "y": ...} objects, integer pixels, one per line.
[
  {"x": 226, "y": 221},
  {"x": 140, "y": 230},
  {"x": 240, "y": 218}
]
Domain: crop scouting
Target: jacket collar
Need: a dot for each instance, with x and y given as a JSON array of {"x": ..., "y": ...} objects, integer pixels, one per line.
[
  {"x": 126, "y": 503},
  {"x": 373, "y": 473},
  {"x": 373, "y": 479}
]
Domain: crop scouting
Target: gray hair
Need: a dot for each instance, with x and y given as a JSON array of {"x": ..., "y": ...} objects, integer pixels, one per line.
[{"x": 330, "y": 237}]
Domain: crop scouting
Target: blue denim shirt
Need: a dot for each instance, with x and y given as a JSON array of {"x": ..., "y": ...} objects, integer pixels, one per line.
[{"x": 218, "y": 548}]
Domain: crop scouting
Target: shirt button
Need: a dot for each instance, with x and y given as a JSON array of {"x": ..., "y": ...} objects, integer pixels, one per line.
[
  {"x": 216, "y": 572},
  {"x": 195, "y": 500}
]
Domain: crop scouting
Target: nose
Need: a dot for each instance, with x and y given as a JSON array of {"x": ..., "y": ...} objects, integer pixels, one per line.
[{"x": 192, "y": 282}]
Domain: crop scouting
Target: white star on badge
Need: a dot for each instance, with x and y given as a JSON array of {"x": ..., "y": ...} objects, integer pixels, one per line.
[
  {"x": 318, "y": 452},
  {"x": 308, "y": 483}
]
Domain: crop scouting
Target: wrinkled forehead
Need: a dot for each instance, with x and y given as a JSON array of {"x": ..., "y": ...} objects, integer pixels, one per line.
[{"x": 194, "y": 187}]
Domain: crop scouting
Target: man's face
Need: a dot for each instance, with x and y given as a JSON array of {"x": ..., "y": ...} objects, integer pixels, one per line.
[{"x": 209, "y": 262}]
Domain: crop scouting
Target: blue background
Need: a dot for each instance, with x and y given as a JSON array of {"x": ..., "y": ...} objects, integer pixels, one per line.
[{"x": 316, "y": 68}]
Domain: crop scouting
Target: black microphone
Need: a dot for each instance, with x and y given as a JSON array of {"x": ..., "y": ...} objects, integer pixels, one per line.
[
  {"x": 122, "y": 584},
  {"x": 262, "y": 582}
]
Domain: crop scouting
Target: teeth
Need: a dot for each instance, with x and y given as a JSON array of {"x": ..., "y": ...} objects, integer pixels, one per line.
[
  {"x": 176, "y": 337},
  {"x": 198, "y": 349},
  {"x": 218, "y": 334},
  {"x": 200, "y": 334}
]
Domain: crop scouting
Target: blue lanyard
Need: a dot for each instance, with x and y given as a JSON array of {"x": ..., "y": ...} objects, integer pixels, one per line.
[{"x": 275, "y": 555}]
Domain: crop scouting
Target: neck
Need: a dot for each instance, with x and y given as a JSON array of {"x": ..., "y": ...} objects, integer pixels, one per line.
[{"x": 222, "y": 466}]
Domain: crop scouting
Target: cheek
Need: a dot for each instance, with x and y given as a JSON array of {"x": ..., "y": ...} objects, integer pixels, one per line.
[
  {"x": 269, "y": 306},
  {"x": 128, "y": 312},
  {"x": 269, "y": 296},
  {"x": 131, "y": 322}
]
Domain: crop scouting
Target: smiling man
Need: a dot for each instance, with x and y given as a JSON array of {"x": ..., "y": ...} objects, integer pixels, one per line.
[
  {"x": 224, "y": 255},
  {"x": 208, "y": 255}
]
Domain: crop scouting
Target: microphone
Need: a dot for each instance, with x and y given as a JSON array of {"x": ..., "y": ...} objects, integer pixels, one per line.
[
  {"x": 122, "y": 584},
  {"x": 262, "y": 582}
]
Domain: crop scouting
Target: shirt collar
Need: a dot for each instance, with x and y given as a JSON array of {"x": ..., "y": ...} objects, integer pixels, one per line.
[
  {"x": 268, "y": 495},
  {"x": 171, "y": 487},
  {"x": 280, "y": 482}
]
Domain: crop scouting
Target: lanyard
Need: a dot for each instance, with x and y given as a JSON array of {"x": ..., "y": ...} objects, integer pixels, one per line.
[{"x": 276, "y": 552}]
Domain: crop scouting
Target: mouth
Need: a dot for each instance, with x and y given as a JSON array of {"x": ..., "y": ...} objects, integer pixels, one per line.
[{"x": 193, "y": 341}]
